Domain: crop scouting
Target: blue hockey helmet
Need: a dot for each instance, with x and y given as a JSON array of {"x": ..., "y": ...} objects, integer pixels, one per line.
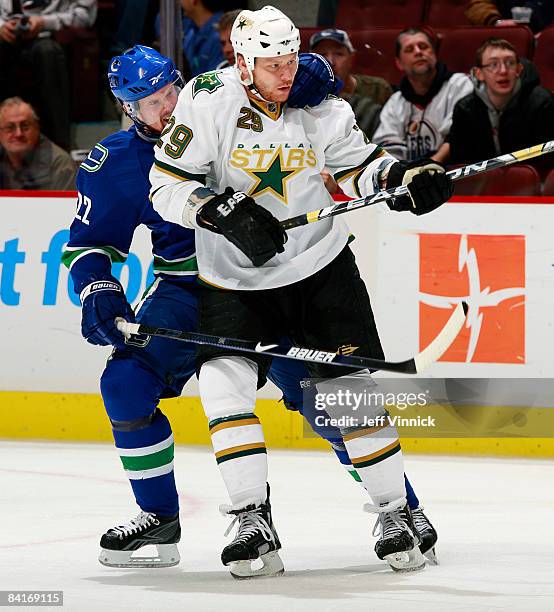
[{"x": 137, "y": 74}]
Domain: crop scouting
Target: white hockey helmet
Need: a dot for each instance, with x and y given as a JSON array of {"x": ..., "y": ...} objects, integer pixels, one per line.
[{"x": 264, "y": 33}]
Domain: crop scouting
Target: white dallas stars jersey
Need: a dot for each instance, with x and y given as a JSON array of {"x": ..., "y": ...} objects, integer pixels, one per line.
[
  {"x": 219, "y": 137},
  {"x": 410, "y": 131}
]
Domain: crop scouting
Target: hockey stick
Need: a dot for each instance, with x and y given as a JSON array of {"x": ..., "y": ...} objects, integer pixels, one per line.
[
  {"x": 411, "y": 366},
  {"x": 471, "y": 170}
]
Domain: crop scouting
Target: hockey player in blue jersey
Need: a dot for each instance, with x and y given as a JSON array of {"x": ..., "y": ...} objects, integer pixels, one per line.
[{"x": 113, "y": 201}]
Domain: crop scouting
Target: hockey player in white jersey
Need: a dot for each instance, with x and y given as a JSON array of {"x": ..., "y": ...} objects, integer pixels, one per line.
[{"x": 232, "y": 162}]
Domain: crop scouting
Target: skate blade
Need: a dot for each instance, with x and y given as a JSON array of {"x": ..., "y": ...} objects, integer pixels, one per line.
[
  {"x": 272, "y": 566},
  {"x": 406, "y": 561},
  {"x": 431, "y": 556},
  {"x": 168, "y": 556}
]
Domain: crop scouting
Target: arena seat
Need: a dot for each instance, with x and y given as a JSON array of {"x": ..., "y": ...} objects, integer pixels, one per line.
[
  {"x": 517, "y": 180},
  {"x": 446, "y": 13},
  {"x": 548, "y": 187},
  {"x": 544, "y": 57},
  {"x": 458, "y": 46},
  {"x": 374, "y": 51},
  {"x": 305, "y": 35},
  {"x": 365, "y": 14}
]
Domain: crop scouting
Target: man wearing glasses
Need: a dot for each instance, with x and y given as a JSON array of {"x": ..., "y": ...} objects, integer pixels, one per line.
[
  {"x": 29, "y": 160},
  {"x": 508, "y": 109}
]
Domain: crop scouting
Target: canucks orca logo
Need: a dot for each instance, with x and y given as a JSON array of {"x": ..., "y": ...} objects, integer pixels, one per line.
[{"x": 95, "y": 158}]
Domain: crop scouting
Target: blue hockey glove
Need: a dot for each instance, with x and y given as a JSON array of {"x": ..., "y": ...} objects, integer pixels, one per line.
[
  {"x": 103, "y": 301},
  {"x": 313, "y": 82}
]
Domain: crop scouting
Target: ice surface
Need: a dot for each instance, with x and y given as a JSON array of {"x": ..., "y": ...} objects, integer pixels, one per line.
[{"x": 494, "y": 518}]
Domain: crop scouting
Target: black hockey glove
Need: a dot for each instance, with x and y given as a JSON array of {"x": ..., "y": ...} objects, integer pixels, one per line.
[
  {"x": 103, "y": 301},
  {"x": 427, "y": 183},
  {"x": 251, "y": 228}
]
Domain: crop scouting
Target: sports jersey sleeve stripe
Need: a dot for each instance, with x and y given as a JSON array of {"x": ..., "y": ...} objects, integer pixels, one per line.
[
  {"x": 349, "y": 172},
  {"x": 73, "y": 254},
  {"x": 356, "y": 172},
  {"x": 178, "y": 173},
  {"x": 358, "y": 175},
  {"x": 153, "y": 193},
  {"x": 180, "y": 267}
]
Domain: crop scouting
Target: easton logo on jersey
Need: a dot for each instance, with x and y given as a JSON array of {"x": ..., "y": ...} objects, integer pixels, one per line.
[{"x": 488, "y": 273}]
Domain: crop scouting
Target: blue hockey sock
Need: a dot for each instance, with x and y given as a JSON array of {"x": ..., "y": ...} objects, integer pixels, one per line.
[{"x": 142, "y": 434}]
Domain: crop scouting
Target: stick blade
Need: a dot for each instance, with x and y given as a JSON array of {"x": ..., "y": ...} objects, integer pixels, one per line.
[{"x": 446, "y": 337}]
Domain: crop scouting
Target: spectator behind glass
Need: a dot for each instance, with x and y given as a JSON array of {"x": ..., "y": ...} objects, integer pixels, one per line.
[
  {"x": 365, "y": 94},
  {"x": 508, "y": 110},
  {"x": 29, "y": 160},
  {"x": 224, "y": 26},
  {"x": 200, "y": 38},
  {"x": 416, "y": 120},
  {"x": 499, "y": 12},
  {"x": 26, "y": 28}
]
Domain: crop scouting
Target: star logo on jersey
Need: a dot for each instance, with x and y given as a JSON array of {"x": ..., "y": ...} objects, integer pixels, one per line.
[
  {"x": 273, "y": 178},
  {"x": 209, "y": 81},
  {"x": 488, "y": 273}
]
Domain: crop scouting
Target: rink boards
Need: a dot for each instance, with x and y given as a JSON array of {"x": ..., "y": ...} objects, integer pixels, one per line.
[{"x": 497, "y": 254}]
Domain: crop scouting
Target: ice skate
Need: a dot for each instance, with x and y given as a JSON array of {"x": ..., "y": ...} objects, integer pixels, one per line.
[
  {"x": 427, "y": 535},
  {"x": 256, "y": 538},
  {"x": 399, "y": 541},
  {"x": 119, "y": 543}
]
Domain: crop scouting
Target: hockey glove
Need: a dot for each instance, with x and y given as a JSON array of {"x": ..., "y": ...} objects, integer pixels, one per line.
[
  {"x": 103, "y": 301},
  {"x": 427, "y": 183},
  {"x": 251, "y": 228},
  {"x": 313, "y": 82}
]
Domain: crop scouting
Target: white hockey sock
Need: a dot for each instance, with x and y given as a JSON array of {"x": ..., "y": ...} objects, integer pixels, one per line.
[
  {"x": 377, "y": 458},
  {"x": 374, "y": 447},
  {"x": 228, "y": 393}
]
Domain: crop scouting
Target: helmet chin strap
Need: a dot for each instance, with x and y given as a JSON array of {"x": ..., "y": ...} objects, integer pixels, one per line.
[
  {"x": 249, "y": 81},
  {"x": 143, "y": 130}
]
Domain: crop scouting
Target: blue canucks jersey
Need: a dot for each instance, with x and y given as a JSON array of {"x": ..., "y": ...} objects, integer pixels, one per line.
[{"x": 113, "y": 188}]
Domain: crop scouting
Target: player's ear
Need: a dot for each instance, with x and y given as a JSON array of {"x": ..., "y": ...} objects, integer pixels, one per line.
[{"x": 241, "y": 65}]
